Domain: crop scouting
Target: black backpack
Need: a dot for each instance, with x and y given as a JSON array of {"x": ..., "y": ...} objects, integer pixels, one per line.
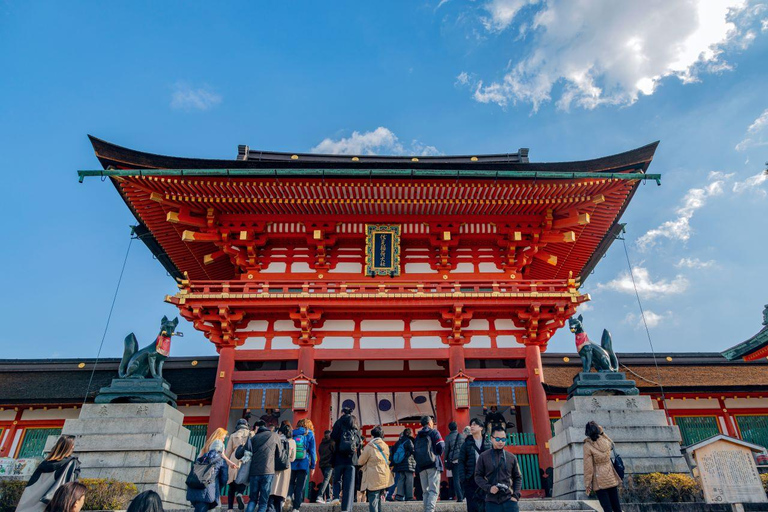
[
  {"x": 423, "y": 452},
  {"x": 202, "y": 474},
  {"x": 349, "y": 442},
  {"x": 282, "y": 457}
]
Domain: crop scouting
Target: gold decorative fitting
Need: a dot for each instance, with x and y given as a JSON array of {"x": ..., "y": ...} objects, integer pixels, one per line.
[
  {"x": 355, "y": 159},
  {"x": 669, "y": 358},
  {"x": 194, "y": 363},
  {"x": 414, "y": 159},
  {"x": 319, "y": 276},
  {"x": 294, "y": 157},
  {"x": 250, "y": 276},
  {"x": 474, "y": 159},
  {"x": 81, "y": 365},
  {"x": 566, "y": 359},
  {"x": 445, "y": 276}
]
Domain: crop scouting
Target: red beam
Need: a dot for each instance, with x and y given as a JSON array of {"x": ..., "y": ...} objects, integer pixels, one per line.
[
  {"x": 263, "y": 376},
  {"x": 404, "y": 384},
  {"x": 498, "y": 373}
]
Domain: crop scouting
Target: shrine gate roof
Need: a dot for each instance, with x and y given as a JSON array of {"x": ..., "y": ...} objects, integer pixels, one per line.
[{"x": 286, "y": 187}]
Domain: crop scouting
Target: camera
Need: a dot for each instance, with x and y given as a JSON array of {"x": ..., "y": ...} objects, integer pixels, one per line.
[{"x": 503, "y": 487}]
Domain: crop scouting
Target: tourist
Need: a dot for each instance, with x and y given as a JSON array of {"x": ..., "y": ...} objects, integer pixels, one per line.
[
  {"x": 498, "y": 474},
  {"x": 474, "y": 445},
  {"x": 264, "y": 446},
  {"x": 453, "y": 443},
  {"x": 467, "y": 432},
  {"x": 271, "y": 419},
  {"x": 428, "y": 448},
  {"x": 148, "y": 501},
  {"x": 494, "y": 419},
  {"x": 69, "y": 497},
  {"x": 58, "y": 468},
  {"x": 599, "y": 473},
  {"x": 204, "y": 488},
  {"x": 304, "y": 465},
  {"x": 325, "y": 462},
  {"x": 238, "y": 438},
  {"x": 220, "y": 434},
  {"x": 374, "y": 462},
  {"x": 282, "y": 480},
  {"x": 346, "y": 437},
  {"x": 404, "y": 465}
]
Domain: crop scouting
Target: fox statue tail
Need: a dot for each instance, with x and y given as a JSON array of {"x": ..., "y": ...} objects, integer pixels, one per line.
[
  {"x": 607, "y": 344},
  {"x": 131, "y": 347}
]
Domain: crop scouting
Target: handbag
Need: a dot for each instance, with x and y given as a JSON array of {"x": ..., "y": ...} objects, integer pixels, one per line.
[
  {"x": 618, "y": 464},
  {"x": 244, "y": 473},
  {"x": 66, "y": 476}
]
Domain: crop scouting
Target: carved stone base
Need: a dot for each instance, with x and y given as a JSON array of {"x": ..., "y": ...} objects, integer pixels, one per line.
[
  {"x": 130, "y": 391},
  {"x": 602, "y": 383}
]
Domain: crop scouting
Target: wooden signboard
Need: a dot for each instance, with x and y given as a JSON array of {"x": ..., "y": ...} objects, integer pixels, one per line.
[{"x": 382, "y": 249}]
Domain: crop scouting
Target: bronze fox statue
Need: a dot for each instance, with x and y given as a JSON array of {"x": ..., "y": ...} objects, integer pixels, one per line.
[
  {"x": 148, "y": 362},
  {"x": 601, "y": 357}
]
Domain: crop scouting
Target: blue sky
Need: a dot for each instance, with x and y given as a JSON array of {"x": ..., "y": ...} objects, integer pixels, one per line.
[{"x": 570, "y": 80}]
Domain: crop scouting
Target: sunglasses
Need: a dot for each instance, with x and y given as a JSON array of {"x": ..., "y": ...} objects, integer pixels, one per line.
[{"x": 499, "y": 439}]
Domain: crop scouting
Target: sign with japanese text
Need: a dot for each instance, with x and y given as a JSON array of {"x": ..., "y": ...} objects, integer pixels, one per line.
[{"x": 382, "y": 249}]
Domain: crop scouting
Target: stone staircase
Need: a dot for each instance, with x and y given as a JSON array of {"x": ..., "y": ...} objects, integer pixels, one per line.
[{"x": 417, "y": 506}]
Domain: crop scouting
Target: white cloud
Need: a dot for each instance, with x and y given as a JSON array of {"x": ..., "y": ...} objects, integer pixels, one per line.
[
  {"x": 584, "y": 307},
  {"x": 694, "y": 263},
  {"x": 646, "y": 286},
  {"x": 186, "y": 97},
  {"x": 380, "y": 141},
  {"x": 462, "y": 78},
  {"x": 757, "y": 133},
  {"x": 680, "y": 227},
  {"x": 752, "y": 183},
  {"x": 651, "y": 318},
  {"x": 611, "y": 53}
]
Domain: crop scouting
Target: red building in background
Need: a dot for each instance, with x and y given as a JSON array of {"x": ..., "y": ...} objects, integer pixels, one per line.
[{"x": 398, "y": 285}]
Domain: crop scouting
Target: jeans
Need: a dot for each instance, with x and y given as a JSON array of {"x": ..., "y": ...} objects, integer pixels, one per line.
[
  {"x": 275, "y": 503},
  {"x": 344, "y": 486},
  {"x": 325, "y": 491},
  {"x": 234, "y": 489},
  {"x": 474, "y": 503},
  {"x": 430, "y": 485},
  {"x": 259, "y": 493},
  {"x": 404, "y": 483},
  {"x": 456, "y": 485},
  {"x": 507, "y": 506},
  {"x": 374, "y": 500},
  {"x": 202, "y": 506},
  {"x": 296, "y": 488},
  {"x": 609, "y": 499}
]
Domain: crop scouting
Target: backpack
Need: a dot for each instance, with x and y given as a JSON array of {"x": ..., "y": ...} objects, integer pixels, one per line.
[
  {"x": 349, "y": 443},
  {"x": 283, "y": 456},
  {"x": 399, "y": 455},
  {"x": 202, "y": 474},
  {"x": 301, "y": 448},
  {"x": 423, "y": 452}
]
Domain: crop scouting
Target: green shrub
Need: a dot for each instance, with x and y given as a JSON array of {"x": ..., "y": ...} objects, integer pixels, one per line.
[
  {"x": 107, "y": 494},
  {"x": 661, "y": 488},
  {"x": 10, "y": 494},
  {"x": 764, "y": 479}
]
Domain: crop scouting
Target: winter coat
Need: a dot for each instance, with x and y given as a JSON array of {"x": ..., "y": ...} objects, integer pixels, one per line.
[
  {"x": 326, "y": 453},
  {"x": 453, "y": 443},
  {"x": 310, "y": 454},
  {"x": 598, "y": 468},
  {"x": 212, "y": 492},
  {"x": 342, "y": 425},
  {"x": 265, "y": 447},
  {"x": 282, "y": 479},
  {"x": 374, "y": 463},
  {"x": 47, "y": 475},
  {"x": 238, "y": 438},
  {"x": 465, "y": 468},
  {"x": 408, "y": 464},
  {"x": 438, "y": 445},
  {"x": 498, "y": 466}
]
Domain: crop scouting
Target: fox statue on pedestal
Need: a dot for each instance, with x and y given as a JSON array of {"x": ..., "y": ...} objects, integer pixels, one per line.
[
  {"x": 148, "y": 362},
  {"x": 601, "y": 357}
]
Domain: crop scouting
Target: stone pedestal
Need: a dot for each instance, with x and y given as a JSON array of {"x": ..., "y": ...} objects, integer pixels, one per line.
[
  {"x": 602, "y": 383},
  {"x": 141, "y": 443},
  {"x": 137, "y": 391},
  {"x": 643, "y": 438}
]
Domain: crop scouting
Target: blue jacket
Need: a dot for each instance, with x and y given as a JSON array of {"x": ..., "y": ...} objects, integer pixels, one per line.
[
  {"x": 438, "y": 445},
  {"x": 211, "y": 493},
  {"x": 310, "y": 457}
]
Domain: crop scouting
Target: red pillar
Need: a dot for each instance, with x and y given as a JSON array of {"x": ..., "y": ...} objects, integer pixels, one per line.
[
  {"x": 307, "y": 367},
  {"x": 456, "y": 365},
  {"x": 5, "y": 450},
  {"x": 222, "y": 396},
  {"x": 538, "y": 403},
  {"x": 729, "y": 423}
]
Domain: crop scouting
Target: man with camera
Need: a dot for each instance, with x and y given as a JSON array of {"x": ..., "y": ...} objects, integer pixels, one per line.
[{"x": 498, "y": 475}]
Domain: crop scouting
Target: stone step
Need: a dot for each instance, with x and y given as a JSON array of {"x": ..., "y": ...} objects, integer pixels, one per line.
[{"x": 526, "y": 505}]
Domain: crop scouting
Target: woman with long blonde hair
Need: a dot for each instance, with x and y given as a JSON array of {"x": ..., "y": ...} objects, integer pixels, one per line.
[
  {"x": 216, "y": 442},
  {"x": 58, "y": 468}
]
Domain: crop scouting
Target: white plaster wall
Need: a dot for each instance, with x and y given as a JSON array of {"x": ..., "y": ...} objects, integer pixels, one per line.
[
  {"x": 343, "y": 366},
  {"x": 554, "y": 406},
  {"x": 16, "y": 440},
  {"x": 276, "y": 267},
  {"x": 382, "y": 342},
  {"x": 347, "y": 267},
  {"x": 488, "y": 267},
  {"x": 478, "y": 324},
  {"x": 702, "y": 403},
  {"x": 7, "y": 415},
  {"x": 419, "y": 268},
  {"x": 337, "y": 325},
  {"x": 504, "y": 324},
  {"x": 50, "y": 414},
  {"x": 282, "y": 343},
  {"x": 479, "y": 341},
  {"x": 336, "y": 342},
  {"x": 384, "y": 365},
  {"x": 427, "y": 325},
  {"x": 427, "y": 342},
  {"x": 257, "y": 325},
  {"x": 424, "y": 364},
  {"x": 463, "y": 267},
  {"x": 285, "y": 325},
  {"x": 195, "y": 410},
  {"x": 382, "y": 325},
  {"x": 506, "y": 341},
  {"x": 301, "y": 266},
  {"x": 255, "y": 343},
  {"x": 745, "y": 403}
]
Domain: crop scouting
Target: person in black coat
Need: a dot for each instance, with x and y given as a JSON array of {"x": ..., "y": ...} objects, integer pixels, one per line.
[
  {"x": 404, "y": 469},
  {"x": 473, "y": 446},
  {"x": 344, "y": 462},
  {"x": 325, "y": 462}
]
